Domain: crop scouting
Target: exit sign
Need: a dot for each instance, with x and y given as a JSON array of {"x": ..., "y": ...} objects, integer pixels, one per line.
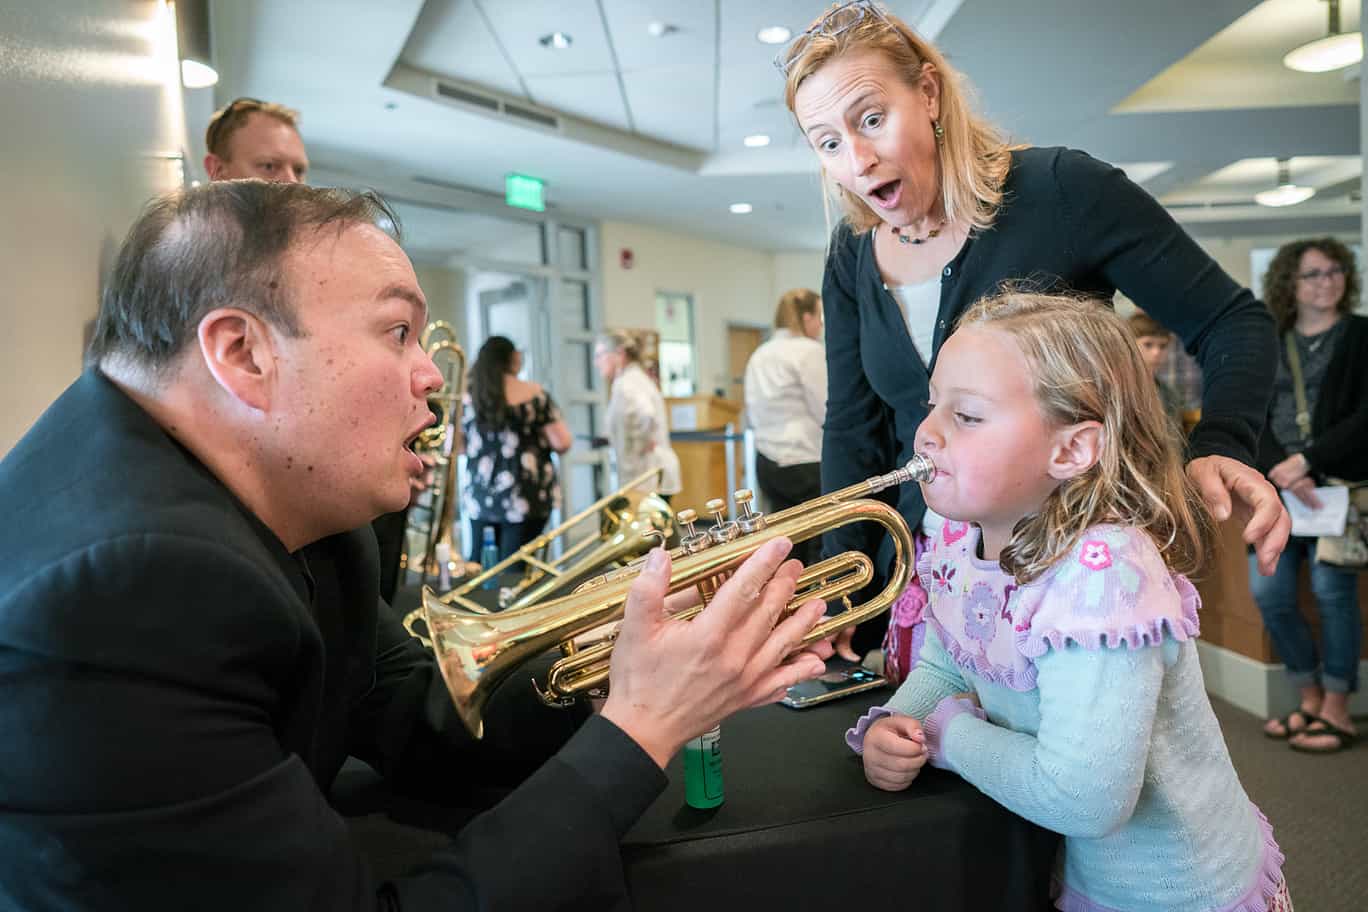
[{"x": 523, "y": 192}]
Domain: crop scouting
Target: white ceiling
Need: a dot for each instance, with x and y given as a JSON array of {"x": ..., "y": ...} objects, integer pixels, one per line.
[{"x": 651, "y": 128}]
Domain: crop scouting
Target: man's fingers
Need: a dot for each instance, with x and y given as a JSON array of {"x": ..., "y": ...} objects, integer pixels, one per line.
[
  {"x": 786, "y": 638},
  {"x": 1212, "y": 487},
  {"x": 736, "y": 600},
  {"x": 646, "y": 598},
  {"x": 1271, "y": 547}
]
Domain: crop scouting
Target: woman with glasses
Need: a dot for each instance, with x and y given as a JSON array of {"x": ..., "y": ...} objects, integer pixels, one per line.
[
  {"x": 511, "y": 429},
  {"x": 1311, "y": 287},
  {"x": 937, "y": 210}
]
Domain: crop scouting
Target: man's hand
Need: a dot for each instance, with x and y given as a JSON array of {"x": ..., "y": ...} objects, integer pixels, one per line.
[
  {"x": 894, "y": 752},
  {"x": 1256, "y": 504},
  {"x": 670, "y": 680}
]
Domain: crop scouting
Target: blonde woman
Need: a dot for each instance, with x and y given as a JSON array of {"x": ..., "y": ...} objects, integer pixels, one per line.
[
  {"x": 938, "y": 209},
  {"x": 638, "y": 427},
  {"x": 1059, "y": 674},
  {"x": 786, "y": 386}
]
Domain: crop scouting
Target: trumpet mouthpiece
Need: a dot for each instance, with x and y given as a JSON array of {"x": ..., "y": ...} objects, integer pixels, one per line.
[{"x": 919, "y": 468}]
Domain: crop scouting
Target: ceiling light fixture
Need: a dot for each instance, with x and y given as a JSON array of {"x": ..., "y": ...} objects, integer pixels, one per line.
[
  {"x": 658, "y": 29},
  {"x": 1286, "y": 193},
  {"x": 756, "y": 140},
  {"x": 193, "y": 45},
  {"x": 557, "y": 40},
  {"x": 1335, "y": 51},
  {"x": 773, "y": 34},
  {"x": 741, "y": 208}
]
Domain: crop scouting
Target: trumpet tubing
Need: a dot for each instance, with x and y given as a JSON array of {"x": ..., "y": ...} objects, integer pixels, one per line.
[{"x": 477, "y": 650}]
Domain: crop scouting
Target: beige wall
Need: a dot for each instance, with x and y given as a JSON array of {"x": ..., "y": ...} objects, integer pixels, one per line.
[
  {"x": 798, "y": 269},
  {"x": 728, "y": 284},
  {"x": 91, "y": 108}
]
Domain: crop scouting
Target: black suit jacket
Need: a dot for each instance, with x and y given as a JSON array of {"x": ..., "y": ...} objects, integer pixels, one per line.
[{"x": 180, "y": 693}]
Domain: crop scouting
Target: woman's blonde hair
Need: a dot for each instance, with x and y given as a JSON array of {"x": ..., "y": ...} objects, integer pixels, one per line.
[
  {"x": 617, "y": 340},
  {"x": 1086, "y": 367},
  {"x": 974, "y": 156},
  {"x": 793, "y": 306}
]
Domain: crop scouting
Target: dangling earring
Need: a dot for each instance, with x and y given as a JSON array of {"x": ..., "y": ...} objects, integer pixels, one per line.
[{"x": 937, "y": 129}]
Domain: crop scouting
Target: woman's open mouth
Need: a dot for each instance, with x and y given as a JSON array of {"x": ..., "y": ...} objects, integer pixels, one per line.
[{"x": 887, "y": 195}]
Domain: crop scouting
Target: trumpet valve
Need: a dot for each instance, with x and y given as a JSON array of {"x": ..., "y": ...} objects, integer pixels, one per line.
[
  {"x": 723, "y": 530},
  {"x": 749, "y": 521},
  {"x": 692, "y": 541}
]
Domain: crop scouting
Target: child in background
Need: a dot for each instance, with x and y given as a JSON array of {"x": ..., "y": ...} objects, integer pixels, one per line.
[
  {"x": 1154, "y": 341},
  {"x": 1059, "y": 670}
]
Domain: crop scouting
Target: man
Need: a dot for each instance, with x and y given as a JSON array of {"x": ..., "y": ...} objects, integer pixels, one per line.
[
  {"x": 251, "y": 138},
  {"x": 191, "y": 639}
]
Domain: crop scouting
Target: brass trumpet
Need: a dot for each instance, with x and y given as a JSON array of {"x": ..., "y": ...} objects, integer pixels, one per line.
[{"x": 476, "y": 651}]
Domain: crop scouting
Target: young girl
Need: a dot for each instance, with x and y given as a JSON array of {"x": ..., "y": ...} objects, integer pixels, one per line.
[{"x": 1059, "y": 670}]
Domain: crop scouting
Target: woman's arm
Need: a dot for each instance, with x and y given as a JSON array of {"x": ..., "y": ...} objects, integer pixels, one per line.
[
  {"x": 557, "y": 432},
  {"x": 857, "y": 432}
]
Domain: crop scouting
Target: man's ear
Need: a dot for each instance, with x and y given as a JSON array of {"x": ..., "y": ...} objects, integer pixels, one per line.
[
  {"x": 1077, "y": 448},
  {"x": 213, "y": 166},
  {"x": 239, "y": 353}
]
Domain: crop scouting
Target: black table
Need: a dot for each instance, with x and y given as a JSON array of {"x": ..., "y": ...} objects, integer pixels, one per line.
[{"x": 800, "y": 827}]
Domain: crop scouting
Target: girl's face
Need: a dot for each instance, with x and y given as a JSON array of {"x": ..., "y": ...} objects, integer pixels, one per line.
[
  {"x": 1320, "y": 283},
  {"x": 873, "y": 135},
  {"x": 993, "y": 449}
]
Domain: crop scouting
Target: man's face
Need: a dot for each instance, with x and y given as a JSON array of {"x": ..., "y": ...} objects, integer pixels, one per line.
[
  {"x": 264, "y": 147},
  {"x": 352, "y": 388}
]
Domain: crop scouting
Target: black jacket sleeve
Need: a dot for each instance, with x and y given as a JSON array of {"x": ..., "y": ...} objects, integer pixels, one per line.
[
  {"x": 1129, "y": 238},
  {"x": 857, "y": 437},
  {"x": 1340, "y": 447}
]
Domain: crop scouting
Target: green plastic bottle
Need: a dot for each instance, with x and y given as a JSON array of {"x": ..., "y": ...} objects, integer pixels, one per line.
[{"x": 703, "y": 770}]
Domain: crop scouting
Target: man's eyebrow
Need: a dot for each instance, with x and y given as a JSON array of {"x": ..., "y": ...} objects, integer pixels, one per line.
[{"x": 404, "y": 293}]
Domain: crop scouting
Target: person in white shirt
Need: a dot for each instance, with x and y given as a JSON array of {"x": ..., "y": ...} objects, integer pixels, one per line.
[
  {"x": 786, "y": 391},
  {"x": 638, "y": 428}
]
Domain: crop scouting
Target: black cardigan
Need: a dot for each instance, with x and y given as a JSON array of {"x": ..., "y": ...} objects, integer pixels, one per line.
[
  {"x": 1069, "y": 222},
  {"x": 1339, "y": 425}
]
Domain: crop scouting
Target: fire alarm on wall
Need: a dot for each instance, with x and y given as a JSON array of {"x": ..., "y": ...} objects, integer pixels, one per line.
[{"x": 626, "y": 258}]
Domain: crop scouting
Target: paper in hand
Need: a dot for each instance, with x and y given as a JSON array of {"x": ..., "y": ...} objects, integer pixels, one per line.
[{"x": 1327, "y": 520}]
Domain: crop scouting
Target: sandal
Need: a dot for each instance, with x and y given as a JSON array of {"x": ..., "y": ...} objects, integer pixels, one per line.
[
  {"x": 1343, "y": 739},
  {"x": 1286, "y": 723}
]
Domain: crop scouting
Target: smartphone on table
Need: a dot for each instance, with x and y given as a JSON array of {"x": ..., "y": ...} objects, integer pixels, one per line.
[{"x": 841, "y": 679}]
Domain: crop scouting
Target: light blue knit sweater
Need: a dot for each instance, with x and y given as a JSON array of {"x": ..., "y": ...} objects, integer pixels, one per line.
[{"x": 1094, "y": 723}]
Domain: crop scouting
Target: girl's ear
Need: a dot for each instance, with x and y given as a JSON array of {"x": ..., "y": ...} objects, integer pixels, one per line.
[{"x": 1077, "y": 448}]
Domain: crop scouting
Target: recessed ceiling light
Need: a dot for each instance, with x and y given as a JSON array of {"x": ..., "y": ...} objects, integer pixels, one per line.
[
  {"x": 196, "y": 75},
  {"x": 740, "y": 208},
  {"x": 658, "y": 29},
  {"x": 558, "y": 40},
  {"x": 773, "y": 34},
  {"x": 756, "y": 140}
]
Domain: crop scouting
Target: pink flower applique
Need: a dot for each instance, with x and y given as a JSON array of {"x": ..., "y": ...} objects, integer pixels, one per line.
[
  {"x": 953, "y": 531},
  {"x": 941, "y": 578},
  {"x": 1095, "y": 555}
]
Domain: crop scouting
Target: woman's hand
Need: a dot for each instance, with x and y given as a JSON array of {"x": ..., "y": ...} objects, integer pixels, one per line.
[
  {"x": 1305, "y": 491},
  {"x": 1256, "y": 503},
  {"x": 1290, "y": 471},
  {"x": 894, "y": 752}
]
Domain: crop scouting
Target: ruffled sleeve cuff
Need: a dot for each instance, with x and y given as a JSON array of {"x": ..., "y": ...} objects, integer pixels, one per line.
[
  {"x": 854, "y": 737},
  {"x": 935, "y": 725}
]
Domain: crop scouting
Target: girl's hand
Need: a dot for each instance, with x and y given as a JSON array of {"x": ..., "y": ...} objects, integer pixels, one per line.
[
  {"x": 894, "y": 752},
  {"x": 1256, "y": 502}
]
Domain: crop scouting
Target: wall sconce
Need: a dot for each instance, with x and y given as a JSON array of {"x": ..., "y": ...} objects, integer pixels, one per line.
[
  {"x": 192, "y": 40},
  {"x": 1335, "y": 51}
]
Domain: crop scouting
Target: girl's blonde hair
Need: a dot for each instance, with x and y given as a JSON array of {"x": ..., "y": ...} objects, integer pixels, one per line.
[
  {"x": 1086, "y": 367},
  {"x": 974, "y": 156},
  {"x": 793, "y": 306}
]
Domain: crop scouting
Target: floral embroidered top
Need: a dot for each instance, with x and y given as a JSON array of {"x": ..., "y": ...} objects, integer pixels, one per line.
[
  {"x": 512, "y": 477},
  {"x": 1094, "y": 722}
]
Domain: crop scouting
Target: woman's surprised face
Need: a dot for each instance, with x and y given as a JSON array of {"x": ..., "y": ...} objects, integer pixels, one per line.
[{"x": 873, "y": 133}]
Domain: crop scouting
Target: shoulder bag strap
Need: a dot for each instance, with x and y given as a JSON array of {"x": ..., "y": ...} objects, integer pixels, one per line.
[{"x": 1298, "y": 387}]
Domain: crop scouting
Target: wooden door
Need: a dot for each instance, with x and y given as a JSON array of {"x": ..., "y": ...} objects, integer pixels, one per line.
[{"x": 742, "y": 341}]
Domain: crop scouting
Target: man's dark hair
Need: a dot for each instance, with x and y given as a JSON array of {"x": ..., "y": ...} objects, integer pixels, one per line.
[{"x": 219, "y": 245}]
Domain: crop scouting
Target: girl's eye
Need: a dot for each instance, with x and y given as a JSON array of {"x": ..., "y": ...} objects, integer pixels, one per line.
[
  {"x": 928, "y": 404},
  {"x": 967, "y": 419},
  {"x": 401, "y": 333}
]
